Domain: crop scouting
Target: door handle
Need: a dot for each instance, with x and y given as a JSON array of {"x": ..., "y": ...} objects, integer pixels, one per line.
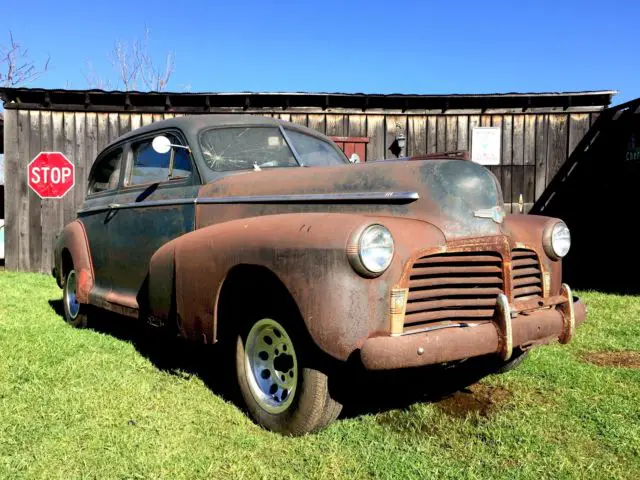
[{"x": 114, "y": 205}]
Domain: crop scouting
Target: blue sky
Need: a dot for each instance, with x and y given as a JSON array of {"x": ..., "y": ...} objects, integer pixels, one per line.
[{"x": 373, "y": 47}]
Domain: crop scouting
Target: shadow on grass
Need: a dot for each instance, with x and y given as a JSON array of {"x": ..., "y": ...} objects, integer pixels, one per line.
[{"x": 360, "y": 391}]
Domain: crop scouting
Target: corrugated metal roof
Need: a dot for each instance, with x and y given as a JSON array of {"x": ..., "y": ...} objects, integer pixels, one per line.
[{"x": 187, "y": 102}]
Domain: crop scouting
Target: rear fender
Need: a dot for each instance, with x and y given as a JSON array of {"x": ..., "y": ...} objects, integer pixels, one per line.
[{"x": 73, "y": 239}]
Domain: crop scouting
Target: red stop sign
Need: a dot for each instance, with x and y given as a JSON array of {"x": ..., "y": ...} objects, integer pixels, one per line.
[{"x": 51, "y": 175}]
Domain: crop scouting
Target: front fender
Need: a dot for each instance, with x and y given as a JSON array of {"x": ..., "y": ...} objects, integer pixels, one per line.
[{"x": 307, "y": 252}]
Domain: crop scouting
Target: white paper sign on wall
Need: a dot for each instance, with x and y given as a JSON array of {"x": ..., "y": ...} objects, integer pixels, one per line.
[{"x": 485, "y": 145}]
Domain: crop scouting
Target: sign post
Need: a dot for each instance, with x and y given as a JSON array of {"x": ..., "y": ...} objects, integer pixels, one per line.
[{"x": 51, "y": 175}]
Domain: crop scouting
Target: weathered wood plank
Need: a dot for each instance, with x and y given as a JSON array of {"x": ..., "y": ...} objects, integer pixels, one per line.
[
  {"x": 69, "y": 126},
  {"x": 417, "y": 133},
  {"x": 136, "y": 121},
  {"x": 578, "y": 128},
  {"x": 23, "y": 192},
  {"x": 394, "y": 126},
  {"x": 541, "y": 155},
  {"x": 299, "y": 119},
  {"x": 485, "y": 120},
  {"x": 35, "y": 202},
  {"x": 103, "y": 130},
  {"x": 594, "y": 117},
  {"x": 517, "y": 184},
  {"x": 506, "y": 154},
  {"x": 451, "y": 142},
  {"x": 441, "y": 133},
  {"x": 11, "y": 190},
  {"x": 357, "y": 125},
  {"x": 318, "y": 122},
  {"x": 557, "y": 144},
  {"x": 432, "y": 134},
  {"x": 157, "y": 117},
  {"x": 92, "y": 140},
  {"x": 529, "y": 157},
  {"x": 518, "y": 140},
  {"x": 82, "y": 167},
  {"x": 125, "y": 123},
  {"x": 336, "y": 125},
  {"x": 147, "y": 119},
  {"x": 166, "y": 116},
  {"x": 48, "y": 219},
  {"x": 529, "y": 186},
  {"x": 114, "y": 126},
  {"x": 474, "y": 121},
  {"x": 506, "y": 186},
  {"x": 463, "y": 133},
  {"x": 285, "y": 116},
  {"x": 375, "y": 131}
]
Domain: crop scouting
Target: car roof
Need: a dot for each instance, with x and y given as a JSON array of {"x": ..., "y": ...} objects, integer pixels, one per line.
[{"x": 191, "y": 124}]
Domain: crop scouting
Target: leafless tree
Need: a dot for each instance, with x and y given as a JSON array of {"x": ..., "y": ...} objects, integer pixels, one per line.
[
  {"x": 16, "y": 68},
  {"x": 134, "y": 66}
]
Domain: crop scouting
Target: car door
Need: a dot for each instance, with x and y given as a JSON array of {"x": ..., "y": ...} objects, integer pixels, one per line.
[
  {"x": 104, "y": 179},
  {"x": 155, "y": 205}
]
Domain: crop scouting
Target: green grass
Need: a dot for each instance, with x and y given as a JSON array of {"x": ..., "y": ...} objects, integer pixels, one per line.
[{"x": 84, "y": 404}]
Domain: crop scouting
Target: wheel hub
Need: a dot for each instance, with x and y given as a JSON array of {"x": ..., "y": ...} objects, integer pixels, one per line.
[
  {"x": 70, "y": 295},
  {"x": 271, "y": 365}
]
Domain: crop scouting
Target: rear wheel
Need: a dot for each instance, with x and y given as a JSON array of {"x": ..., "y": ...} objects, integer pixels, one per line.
[
  {"x": 280, "y": 386},
  {"x": 75, "y": 313}
]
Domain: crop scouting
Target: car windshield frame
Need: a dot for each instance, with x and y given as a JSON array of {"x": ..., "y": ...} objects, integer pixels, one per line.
[{"x": 283, "y": 132}]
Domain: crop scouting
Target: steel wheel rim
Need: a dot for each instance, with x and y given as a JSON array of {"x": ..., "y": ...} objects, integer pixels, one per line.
[
  {"x": 271, "y": 365},
  {"x": 70, "y": 297}
]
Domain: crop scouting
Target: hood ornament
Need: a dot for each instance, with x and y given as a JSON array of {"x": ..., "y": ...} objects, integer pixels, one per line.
[{"x": 496, "y": 213}]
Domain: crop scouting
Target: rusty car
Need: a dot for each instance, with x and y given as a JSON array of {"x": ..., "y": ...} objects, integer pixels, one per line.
[{"x": 258, "y": 234}]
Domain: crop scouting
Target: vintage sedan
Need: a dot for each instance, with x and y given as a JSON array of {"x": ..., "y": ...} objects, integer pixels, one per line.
[{"x": 259, "y": 234}]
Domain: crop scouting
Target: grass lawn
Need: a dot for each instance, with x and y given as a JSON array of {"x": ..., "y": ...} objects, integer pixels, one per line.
[{"x": 87, "y": 404}]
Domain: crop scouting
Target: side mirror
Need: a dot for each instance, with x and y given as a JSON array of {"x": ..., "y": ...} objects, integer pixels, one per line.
[
  {"x": 355, "y": 158},
  {"x": 161, "y": 144}
]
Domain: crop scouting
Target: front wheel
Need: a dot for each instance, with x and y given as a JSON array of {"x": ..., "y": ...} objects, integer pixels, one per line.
[
  {"x": 281, "y": 389},
  {"x": 75, "y": 313}
]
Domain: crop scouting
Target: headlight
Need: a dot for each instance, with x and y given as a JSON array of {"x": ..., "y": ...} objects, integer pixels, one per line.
[
  {"x": 370, "y": 250},
  {"x": 557, "y": 240}
]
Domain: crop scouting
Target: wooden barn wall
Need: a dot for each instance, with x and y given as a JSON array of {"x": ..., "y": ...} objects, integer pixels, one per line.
[{"x": 534, "y": 146}]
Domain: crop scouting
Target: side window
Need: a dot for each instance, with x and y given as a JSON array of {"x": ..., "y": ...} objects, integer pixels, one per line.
[
  {"x": 314, "y": 152},
  {"x": 106, "y": 175},
  {"x": 149, "y": 166}
]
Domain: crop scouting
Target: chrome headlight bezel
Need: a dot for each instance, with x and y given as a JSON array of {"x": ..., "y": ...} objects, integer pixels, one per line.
[
  {"x": 355, "y": 250},
  {"x": 550, "y": 240}
]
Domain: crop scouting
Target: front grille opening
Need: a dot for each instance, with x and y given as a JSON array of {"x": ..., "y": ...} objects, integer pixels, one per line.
[
  {"x": 453, "y": 287},
  {"x": 526, "y": 274}
]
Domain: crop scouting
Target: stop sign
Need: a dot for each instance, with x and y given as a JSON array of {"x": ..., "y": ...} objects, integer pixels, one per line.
[{"x": 51, "y": 175}]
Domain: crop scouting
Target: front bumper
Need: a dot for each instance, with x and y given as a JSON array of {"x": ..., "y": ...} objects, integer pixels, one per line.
[{"x": 511, "y": 328}]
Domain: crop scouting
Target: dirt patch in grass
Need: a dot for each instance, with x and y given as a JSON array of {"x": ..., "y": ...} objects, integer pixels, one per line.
[
  {"x": 481, "y": 400},
  {"x": 613, "y": 359}
]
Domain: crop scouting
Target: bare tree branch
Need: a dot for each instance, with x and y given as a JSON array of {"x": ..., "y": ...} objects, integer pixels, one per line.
[
  {"x": 135, "y": 67},
  {"x": 16, "y": 68}
]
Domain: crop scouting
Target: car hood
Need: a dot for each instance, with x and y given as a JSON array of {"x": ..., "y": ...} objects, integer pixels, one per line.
[{"x": 451, "y": 192}]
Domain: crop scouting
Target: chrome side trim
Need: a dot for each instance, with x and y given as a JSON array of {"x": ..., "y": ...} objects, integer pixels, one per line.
[{"x": 382, "y": 197}]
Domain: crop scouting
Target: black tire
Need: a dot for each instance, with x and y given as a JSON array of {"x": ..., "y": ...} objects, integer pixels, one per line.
[
  {"x": 514, "y": 362},
  {"x": 75, "y": 313},
  {"x": 310, "y": 407}
]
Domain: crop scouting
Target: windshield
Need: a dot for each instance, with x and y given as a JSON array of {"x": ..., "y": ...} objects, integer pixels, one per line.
[{"x": 244, "y": 148}]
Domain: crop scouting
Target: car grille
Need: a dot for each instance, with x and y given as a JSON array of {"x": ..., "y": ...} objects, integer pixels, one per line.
[
  {"x": 453, "y": 287},
  {"x": 526, "y": 274}
]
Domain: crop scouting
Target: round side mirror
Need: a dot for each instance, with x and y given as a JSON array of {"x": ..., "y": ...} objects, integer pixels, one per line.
[
  {"x": 355, "y": 158},
  {"x": 161, "y": 144}
]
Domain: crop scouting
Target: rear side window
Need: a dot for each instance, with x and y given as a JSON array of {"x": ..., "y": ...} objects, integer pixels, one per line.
[
  {"x": 106, "y": 174},
  {"x": 150, "y": 166},
  {"x": 314, "y": 152}
]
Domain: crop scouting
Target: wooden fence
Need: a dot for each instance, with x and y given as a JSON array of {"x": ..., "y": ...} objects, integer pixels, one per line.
[{"x": 534, "y": 147}]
